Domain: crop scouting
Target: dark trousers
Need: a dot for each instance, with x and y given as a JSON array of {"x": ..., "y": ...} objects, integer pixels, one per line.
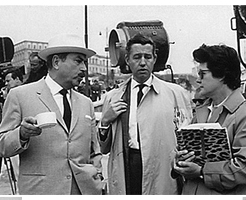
[{"x": 135, "y": 162}]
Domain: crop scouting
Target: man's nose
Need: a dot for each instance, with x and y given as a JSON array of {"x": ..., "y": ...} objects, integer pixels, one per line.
[
  {"x": 142, "y": 61},
  {"x": 82, "y": 67}
]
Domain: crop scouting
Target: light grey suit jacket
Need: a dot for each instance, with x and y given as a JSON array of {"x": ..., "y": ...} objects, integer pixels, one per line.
[{"x": 48, "y": 161}]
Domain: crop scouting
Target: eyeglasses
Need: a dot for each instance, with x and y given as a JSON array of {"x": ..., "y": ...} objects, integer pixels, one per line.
[{"x": 201, "y": 73}]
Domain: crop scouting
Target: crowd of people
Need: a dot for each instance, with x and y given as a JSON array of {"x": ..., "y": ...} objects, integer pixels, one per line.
[
  {"x": 137, "y": 126},
  {"x": 95, "y": 90}
]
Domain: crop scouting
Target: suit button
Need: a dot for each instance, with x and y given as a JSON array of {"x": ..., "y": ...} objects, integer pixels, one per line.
[
  {"x": 69, "y": 140},
  {"x": 69, "y": 176}
]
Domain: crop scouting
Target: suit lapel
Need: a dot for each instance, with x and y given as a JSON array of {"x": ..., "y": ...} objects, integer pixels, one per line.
[
  {"x": 76, "y": 110},
  {"x": 46, "y": 97}
]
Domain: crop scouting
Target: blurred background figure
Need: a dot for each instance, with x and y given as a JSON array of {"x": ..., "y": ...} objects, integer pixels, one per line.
[
  {"x": 189, "y": 92},
  {"x": 38, "y": 68},
  {"x": 13, "y": 78},
  {"x": 82, "y": 88},
  {"x": 111, "y": 86},
  {"x": 95, "y": 91},
  {"x": 198, "y": 98}
]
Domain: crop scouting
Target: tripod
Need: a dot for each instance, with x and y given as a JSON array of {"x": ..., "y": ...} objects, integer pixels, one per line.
[{"x": 11, "y": 174}]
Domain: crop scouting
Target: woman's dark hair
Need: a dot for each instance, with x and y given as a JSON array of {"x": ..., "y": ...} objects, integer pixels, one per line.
[{"x": 222, "y": 61}]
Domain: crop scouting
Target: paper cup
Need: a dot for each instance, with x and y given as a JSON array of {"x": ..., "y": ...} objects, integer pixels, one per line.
[{"x": 46, "y": 119}]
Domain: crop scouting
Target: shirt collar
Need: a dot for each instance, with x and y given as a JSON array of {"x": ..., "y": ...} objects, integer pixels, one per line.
[
  {"x": 55, "y": 88},
  {"x": 134, "y": 83},
  {"x": 212, "y": 106}
]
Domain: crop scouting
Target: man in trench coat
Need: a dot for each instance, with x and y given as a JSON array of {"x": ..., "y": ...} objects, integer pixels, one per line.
[{"x": 161, "y": 106}]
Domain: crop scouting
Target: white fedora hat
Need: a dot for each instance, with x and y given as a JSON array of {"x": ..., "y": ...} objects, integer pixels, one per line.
[{"x": 67, "y": 43}]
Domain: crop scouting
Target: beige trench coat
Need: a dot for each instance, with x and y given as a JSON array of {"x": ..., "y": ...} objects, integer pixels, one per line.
[
  {"x": 155, "y": 116},
  {"x": 225, "y": 177}
]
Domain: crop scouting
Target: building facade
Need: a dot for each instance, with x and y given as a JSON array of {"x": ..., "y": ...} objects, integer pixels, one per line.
[
  {"x": 97, "y": 64},
  {"x": 22, "y": 51}
]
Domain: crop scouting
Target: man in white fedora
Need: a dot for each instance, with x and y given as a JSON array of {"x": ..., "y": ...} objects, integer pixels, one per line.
[{"x": 55, "y": 158}]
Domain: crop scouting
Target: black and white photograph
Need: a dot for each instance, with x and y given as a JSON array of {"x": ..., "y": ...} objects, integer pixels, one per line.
[{"x": 95, "y": 99}]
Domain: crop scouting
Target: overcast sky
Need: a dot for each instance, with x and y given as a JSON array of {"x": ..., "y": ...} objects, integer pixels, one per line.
[{"x": 187, "y": 25}]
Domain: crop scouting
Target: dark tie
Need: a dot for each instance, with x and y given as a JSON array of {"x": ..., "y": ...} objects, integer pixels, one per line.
[
  {"x": 139, "y": 97},
  {"x": 140, "y": 93},
  {"x": 67, "y": 109}
]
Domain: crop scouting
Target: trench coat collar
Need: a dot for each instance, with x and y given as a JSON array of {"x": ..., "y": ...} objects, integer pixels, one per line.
[
  {"x": 231, "y": 105},
  {"x": 234, "y": 101},
  {"x": 155, "y": 84}
]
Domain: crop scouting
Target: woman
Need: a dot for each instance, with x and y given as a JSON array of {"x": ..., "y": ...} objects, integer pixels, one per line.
[{"x": 219, "y": 80}]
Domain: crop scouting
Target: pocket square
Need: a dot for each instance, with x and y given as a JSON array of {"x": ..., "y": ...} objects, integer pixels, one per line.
[{"x": 88, "y": 117}]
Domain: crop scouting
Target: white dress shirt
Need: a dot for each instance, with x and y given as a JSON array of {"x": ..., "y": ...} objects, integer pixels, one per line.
[
  {"x": 133, "y": 143},
  {"x": 55, "y": 88},
  {"x": 213, "y": 107}
]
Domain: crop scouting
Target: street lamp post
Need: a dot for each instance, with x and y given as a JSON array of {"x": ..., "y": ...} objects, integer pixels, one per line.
[
  {"x": 107, "y": 57},
  {"x": 106, "y": 50},
  {"x": 86, "y": 46}
]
